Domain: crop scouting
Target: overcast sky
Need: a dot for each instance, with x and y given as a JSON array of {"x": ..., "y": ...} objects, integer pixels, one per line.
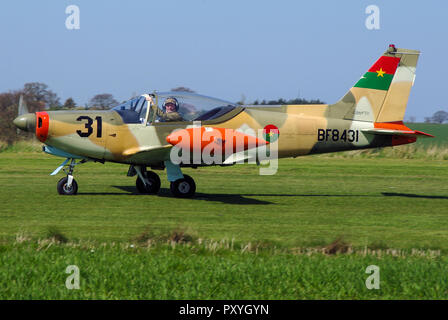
[{"x": 226, "y": 49}]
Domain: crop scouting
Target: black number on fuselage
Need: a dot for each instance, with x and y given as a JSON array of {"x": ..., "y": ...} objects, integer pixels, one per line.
[
  {"x": 88, "y": 126},
  {"x": 99, "y": 126}
]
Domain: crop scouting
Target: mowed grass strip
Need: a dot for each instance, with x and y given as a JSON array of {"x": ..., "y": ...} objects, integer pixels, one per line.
[
  {"x": 311, "y": 201},
  {"x": 31, "y": 271}
]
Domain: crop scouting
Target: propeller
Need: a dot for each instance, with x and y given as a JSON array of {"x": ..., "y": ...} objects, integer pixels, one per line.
[{"x": 22, "y": 109}]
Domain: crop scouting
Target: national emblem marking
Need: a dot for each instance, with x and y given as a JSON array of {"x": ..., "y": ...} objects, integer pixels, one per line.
[
  {"x": 380, "y": 73},
  {"x": 270, "y": 133}
]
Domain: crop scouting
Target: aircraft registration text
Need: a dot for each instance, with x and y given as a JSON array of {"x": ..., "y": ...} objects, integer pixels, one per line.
[{"x": 337, "y": 135}]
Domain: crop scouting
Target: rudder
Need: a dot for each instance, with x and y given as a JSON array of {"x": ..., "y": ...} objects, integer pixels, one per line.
[{"x": 394, "y": 105}]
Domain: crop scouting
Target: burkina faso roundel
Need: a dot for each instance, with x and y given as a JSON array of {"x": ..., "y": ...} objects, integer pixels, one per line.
[{"x": 270, "y": 133}]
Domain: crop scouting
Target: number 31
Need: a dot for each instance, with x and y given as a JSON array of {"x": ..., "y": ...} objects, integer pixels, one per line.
[{"x": 89, "y": 128}]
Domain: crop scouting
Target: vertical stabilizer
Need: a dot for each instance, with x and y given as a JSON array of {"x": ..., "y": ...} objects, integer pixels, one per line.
[{"x": 382, "y": 93}]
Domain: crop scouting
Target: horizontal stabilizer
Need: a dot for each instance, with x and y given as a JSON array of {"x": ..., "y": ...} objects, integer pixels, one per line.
[
  {"x": 406, "y": 133},
  {"x": 396, "y": 128}
]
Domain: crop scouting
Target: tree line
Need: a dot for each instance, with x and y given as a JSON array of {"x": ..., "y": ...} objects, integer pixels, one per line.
[{"x": 438, "y": 117}]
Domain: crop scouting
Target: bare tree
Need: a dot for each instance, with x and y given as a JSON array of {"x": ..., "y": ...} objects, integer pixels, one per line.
[
  {"x": 9, "y": 105},
  {"x": 440, "y": 117},
  {"x": 103, "y": 101},
  {"x": 410, "y": 119},
  {"x": 69, "y": 104},
  {"x": 39, "y": 96}
]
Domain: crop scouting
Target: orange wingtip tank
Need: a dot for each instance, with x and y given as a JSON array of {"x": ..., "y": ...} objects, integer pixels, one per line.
[{"x": 228, "y": 140}]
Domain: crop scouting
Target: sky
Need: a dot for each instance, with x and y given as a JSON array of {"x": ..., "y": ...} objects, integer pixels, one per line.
[{"x": 225, "y": 49}]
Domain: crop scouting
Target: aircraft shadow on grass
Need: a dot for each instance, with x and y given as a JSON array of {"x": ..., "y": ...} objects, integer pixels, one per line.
[
  {"x": 244, "y": 199},
  {"x": 224, "y": 198},
  {"x": 241, "y": 199},
  {"x": 165, "y": 193},
  {"x": 410, "y": 195}
]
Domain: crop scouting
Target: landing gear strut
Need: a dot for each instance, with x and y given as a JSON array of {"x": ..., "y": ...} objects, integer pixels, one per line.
[
  {"x": 181, "y": 185},
  {"x": 68, "y": 185}
]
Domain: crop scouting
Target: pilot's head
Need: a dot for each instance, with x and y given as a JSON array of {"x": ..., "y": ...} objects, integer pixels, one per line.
[{"x": 171, "y": 105}]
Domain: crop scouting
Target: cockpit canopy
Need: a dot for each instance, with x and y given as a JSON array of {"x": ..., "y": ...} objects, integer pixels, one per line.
[{"x": 192, "y": 107}]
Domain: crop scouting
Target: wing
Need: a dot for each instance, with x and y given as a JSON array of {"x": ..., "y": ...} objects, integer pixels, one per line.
[{"x": 148, "y": 154}]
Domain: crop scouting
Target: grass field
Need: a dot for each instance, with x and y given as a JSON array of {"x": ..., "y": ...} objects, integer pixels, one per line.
[
  {"x": 244, "y": 236},
  {"x": 195, "y": 272},
  {"x": 439, "y": 131}
]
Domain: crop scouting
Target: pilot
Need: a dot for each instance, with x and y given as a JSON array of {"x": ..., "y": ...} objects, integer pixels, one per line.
[{"x": 170, "y": 110}]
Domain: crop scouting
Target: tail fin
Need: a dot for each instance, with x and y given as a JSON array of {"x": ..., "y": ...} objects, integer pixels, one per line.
[{"x": 382, "y": 93}]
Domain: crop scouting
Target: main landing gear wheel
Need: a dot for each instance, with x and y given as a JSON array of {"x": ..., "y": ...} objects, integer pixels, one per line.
[
  {"x": 183, "y": 188},
  {"x": 65, "y": 189},
  {"x": 153, "y": 185}
]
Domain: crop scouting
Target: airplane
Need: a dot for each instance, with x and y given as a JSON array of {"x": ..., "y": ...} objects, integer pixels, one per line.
[{"x": 369, "y": 115}]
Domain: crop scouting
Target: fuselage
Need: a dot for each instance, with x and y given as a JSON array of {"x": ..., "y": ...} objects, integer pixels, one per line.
[{"x": 106, "y": 135}]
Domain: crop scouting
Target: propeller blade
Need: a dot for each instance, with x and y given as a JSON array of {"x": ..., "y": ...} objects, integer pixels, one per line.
[{"x": 22, "y": 109}]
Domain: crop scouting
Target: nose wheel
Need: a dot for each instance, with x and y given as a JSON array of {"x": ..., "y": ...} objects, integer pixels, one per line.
[
  {"x": 184, "y": 187},
  {"x": 66, "y": 188}
]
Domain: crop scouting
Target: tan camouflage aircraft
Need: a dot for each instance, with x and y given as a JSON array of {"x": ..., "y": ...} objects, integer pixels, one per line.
[{"x": 141, "y": 135}]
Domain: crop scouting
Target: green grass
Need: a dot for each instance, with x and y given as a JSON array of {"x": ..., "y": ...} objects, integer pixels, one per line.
[
  {"x": 310, "y": 201},
  {"x": 193, "y": 272},
  {"x": 377, "y": 203},
  {"x": 21, "y": 146},
  {"x": 439, "y": 131}
]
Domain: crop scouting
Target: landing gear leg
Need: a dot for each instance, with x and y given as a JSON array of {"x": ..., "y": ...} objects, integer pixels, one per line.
[
  {"x": 68, "y": 185},
  {"x": 181, "y": 185},
  {"x": 147, "y": 181}
]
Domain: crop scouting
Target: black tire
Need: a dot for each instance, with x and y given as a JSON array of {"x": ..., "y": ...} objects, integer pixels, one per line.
[
  {"x": 183, "y": 188},
  {"x": 154, "y": 183},
  {"x": 63, "y": 190}
]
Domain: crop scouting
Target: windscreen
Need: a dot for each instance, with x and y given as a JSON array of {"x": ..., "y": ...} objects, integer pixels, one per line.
[
  {"x": 192, "y": 105},
  {"x": 135, "y": 105}
]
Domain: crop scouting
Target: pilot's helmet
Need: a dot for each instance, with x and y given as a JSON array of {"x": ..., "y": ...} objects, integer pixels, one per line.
[{"x": 171, "y": 100}]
